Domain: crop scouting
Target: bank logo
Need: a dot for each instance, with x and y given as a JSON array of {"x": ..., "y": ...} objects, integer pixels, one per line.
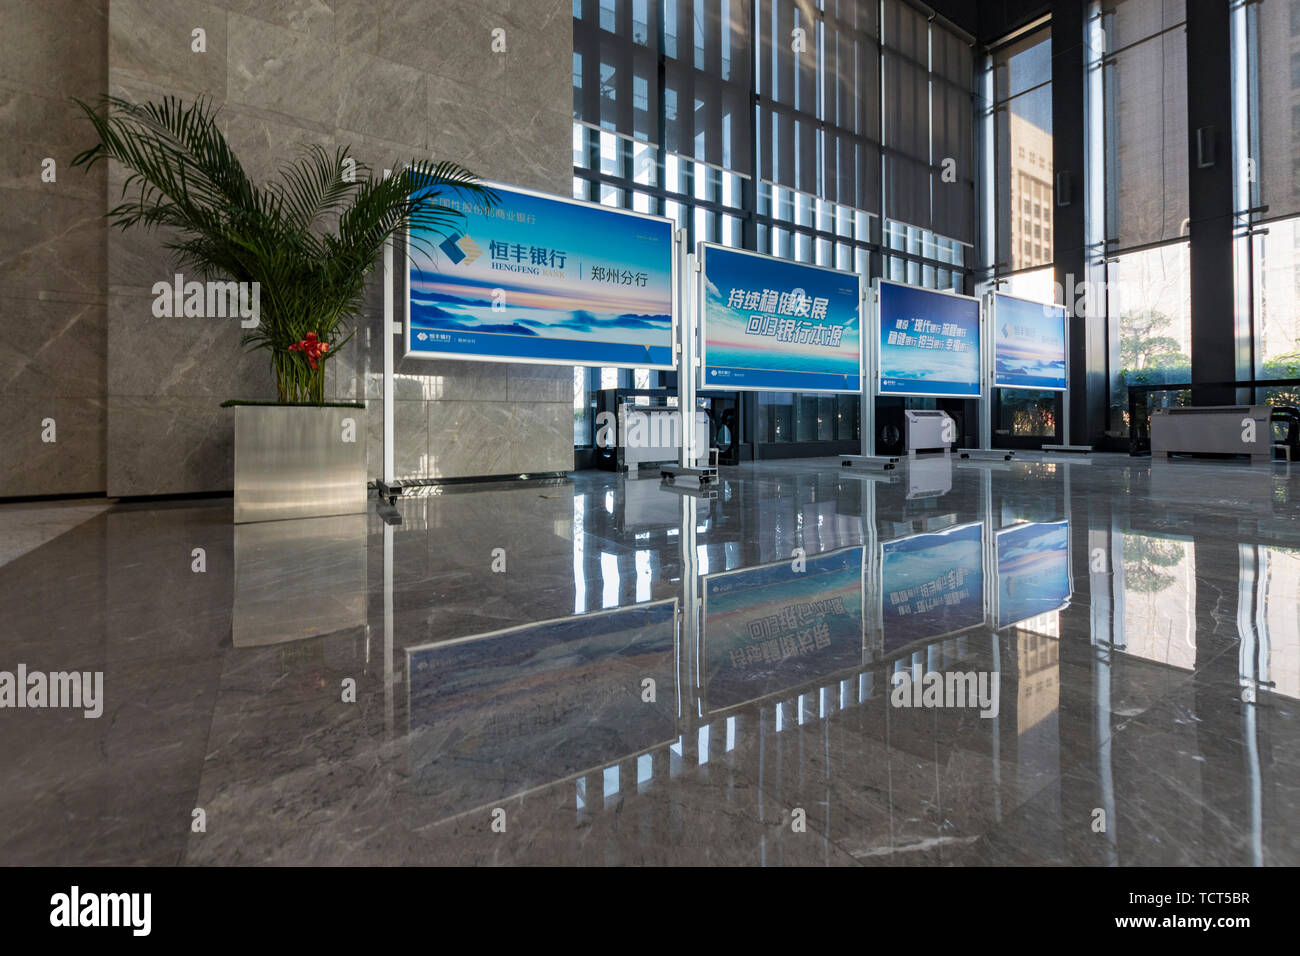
[{"x": 460, "y": 249}]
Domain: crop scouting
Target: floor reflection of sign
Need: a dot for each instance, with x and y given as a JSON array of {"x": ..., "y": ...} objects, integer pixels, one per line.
[
  {"x": 771, "y": 628},
  {"x": 501, "y": 713},
  {"x": 1033, "y": 570},
  {"x": 931, "y": 585}
]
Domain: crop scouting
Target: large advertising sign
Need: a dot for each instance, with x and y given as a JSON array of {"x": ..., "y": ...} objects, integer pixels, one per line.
[
  {"x": 931, "y": 585},
  {"x": 929, "y": 342},
  {"x": 770, "y": 628},
  {"x": 1028, "y": 344},
  {"x": 543, "y": 279},
  {"x": 1033, "y": 570},
  {"x": 497, "y": 714},
  {"x": 777, "y": 325}
]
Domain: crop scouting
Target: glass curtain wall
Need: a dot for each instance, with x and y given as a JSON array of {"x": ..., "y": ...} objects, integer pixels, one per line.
[
  {"x": 761, "y": 124},
  {"x": 1148, "y": 292},
  {"x": 1023, "y": 206},
  {"x": 1267, "y": 131}
]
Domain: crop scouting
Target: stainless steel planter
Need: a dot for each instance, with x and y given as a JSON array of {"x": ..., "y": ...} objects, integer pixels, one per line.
[{"x": 296, "y": 462}]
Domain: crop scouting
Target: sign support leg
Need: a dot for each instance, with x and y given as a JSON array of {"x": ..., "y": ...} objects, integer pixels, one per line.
[
  {"x": 688, "y": 463},
  {"x": 867, "y": 401}
]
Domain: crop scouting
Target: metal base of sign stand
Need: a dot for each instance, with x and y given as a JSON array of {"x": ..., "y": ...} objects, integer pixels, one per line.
[
  {"x": 988, "y": 464},
  {"x": 1075, "y": 449},
  {"x": 702, "y": 492},
  {"x": 705, "y": 475},
  {"x": 885, "y": 463},
  {"x": 390, "y": 491},
  {"x": 673, "y": 472},
  {"x": 1079, "y": 457},
  {"x": 891, "y": 477},
  {"x": 996, "y": 454}
]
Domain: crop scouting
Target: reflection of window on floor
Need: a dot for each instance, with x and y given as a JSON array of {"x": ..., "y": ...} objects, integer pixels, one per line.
[
  {"x": 1158, "y": 599},
  {"x": 1038, "y": 699},
  {"x": 1279, "y": 573},
  {"x": 581, "y": 422},
  {"x": 1039, "y": 685}
]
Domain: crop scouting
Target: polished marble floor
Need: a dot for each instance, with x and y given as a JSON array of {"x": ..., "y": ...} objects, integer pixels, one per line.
[{"x": 515, "y": 675}]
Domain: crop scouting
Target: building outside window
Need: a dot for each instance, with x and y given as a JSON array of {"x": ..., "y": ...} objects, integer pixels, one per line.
[
  {"x": 1020, "y": 124},
  {"x": 1022, "y": 118}
]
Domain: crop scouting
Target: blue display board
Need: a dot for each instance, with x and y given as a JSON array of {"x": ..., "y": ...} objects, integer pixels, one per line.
[
  {"x": 1033, "y": 570},
  {"x": 497, "y": 714},
  {"x": 776, "y": 325},
  {"x": 1028, "y": 344},
  {"x": 929, "y": 342},
  {"x": 931, "y": 585},
  {"x": 770, "y": 628},
  {"x": 543, "y": 279}
]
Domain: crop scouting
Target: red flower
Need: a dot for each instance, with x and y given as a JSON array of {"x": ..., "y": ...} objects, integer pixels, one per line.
[{"x": 312, "y": 348}]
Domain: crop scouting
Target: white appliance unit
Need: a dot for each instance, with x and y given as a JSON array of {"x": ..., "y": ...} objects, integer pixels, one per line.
[
  {"x": 1213, "y": 430},
  {"x": 927, "y": 430},
  {"x": 652, "y": 434}
]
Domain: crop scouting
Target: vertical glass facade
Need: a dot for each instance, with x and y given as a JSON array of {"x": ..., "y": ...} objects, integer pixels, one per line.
[
  {"x": 1149, "y": 304},
  {"x": 1276, "y": 255},
  {"x": 1267, "y": 98},
  {"x": 1020, "y": 204},
  {"x": 832, "y": 132},
  {"x": 1022, "y": 160},
  {"x": 1144, "y": 114}
]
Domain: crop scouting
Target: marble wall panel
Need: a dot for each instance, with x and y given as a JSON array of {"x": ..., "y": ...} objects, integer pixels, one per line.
[
  {"x": 169, "y": 445},
  {"x": 499, "y": 438},
  {"x": 289, "y": 75},
  {"x": 159, "y": 43},
  {"x": 52, "y": 249},
  {"x": 52, "y": 346},
  {"x": 539, "y": 383},
  {"x": 73, "y": 463},
  {"x": 394, "y": 80},
  {"x": 54, "y": 48}
]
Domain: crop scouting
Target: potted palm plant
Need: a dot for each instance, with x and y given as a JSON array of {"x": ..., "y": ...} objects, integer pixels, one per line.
[{"x": 299, "y": 249}]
